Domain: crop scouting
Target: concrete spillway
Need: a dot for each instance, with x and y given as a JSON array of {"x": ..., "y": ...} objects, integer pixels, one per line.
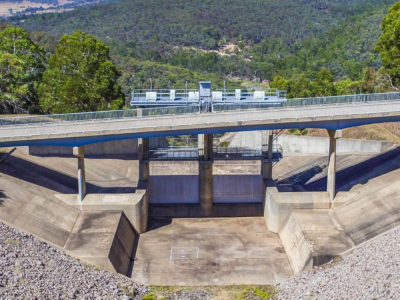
[{"x": 367, "y": 185}]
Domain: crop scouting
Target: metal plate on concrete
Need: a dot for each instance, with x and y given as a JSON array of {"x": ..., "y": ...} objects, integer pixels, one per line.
[{"x": 184, "y": 253}]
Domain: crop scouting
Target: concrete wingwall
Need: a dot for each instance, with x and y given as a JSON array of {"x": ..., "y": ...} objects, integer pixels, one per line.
[
  {"x": 129, "y": 146},
  {"x": 310, "y": 144}
]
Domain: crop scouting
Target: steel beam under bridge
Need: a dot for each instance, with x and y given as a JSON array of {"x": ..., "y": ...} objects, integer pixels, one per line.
[{"x": 87, "y": 132}]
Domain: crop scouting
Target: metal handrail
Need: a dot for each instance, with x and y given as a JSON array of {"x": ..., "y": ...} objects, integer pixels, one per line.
[
  {"x": 306, "y": 102},
  {"x": 101, "y": 115},
  {"x": 195, "y": 109},
  {"x": 218, "y": 153}
]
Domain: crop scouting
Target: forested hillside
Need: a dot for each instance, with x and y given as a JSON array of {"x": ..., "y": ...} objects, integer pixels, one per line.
[{"x": 273, "y": 37}]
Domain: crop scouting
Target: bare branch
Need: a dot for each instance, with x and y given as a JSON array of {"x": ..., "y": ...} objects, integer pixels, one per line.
[{"x": 387, "y": 77}]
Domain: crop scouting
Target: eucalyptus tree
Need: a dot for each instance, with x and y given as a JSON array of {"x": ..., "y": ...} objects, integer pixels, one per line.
[
  {"x": 81, "y": 77},
  {"x": 25, "y": 62}
]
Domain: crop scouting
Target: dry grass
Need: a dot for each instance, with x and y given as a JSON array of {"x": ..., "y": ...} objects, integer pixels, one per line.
[
  {"x": 20, "y": 6},
  {"x": 376, "y": 132},
  {"x": 224, "y": 292}
]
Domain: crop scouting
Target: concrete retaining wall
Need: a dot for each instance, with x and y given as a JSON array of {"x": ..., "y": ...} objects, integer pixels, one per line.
[
  {"x": 317, "y": 145},
  {"x": 310, "y": 144}
]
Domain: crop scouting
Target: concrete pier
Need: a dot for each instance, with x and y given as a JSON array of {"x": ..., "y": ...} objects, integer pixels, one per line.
[
  {"x": 334, "y": 135},
  {"x": 144, "y": 169},
  {"x": 79, "y": 152},
  {"x": 206, "y": 174},
  {"x": 266, "y": 166}
]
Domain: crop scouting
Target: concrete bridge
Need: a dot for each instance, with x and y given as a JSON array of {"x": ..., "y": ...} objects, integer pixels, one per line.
[
  {"x": 54, "y": 130},
  {"x": 78, "y": 130},
  {"x": 79, "y": 133}
]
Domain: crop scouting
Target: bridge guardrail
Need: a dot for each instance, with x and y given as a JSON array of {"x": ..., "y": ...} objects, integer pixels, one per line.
[
  {"x": 195, "y": 109},
  {"x": 305, "y": 102},
  {"x": 101, "y": 115}
]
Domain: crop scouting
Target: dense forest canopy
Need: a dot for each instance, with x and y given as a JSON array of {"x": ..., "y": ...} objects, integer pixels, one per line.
[
  {"x": 273, "y": 37},
  {"x": 202, "y": 23},
  {"x": 309, "y": 48}
]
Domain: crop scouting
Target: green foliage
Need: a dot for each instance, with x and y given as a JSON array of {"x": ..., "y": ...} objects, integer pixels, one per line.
[
  {"x": 254, "y": 292},
  {"x": 323, "y": 84},
  {"x": 10, "y": 68},
  {"x": 348, "y": 87},
  {"x": 224, "y": 144},
  {"x": 80, "y": 77},
  {"x": 279, "y": 83},
  {"x": 137, "y": 75},
  {"x": 389, "y": 44},
  {"x": 300, "y": 87},
  {"x": 150, "y": 296},
  {"x": 298, "y": 131},
  {"x": 263, "y": 293},
  {"x": 339, "y": 35},
  {"x": 22, "y": 67}
]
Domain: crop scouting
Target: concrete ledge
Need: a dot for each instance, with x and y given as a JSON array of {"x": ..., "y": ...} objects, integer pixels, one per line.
[
  {"x": 278, "y": 206},
  {"x": 135, "y": 206}
]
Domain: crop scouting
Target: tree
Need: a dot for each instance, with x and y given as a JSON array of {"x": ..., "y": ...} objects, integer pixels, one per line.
[
  {"x": 10, "y": 68},
  {"x": 279, "y": 83},
  {"x": 81, "y": 77},
  {"x": 300, "y": 87},
  {"x": 389, "y": 44},
  {"x": 16, "y": 42},
  {"x": 348, "y": 87},
  {"x": 323, "y": 84}
]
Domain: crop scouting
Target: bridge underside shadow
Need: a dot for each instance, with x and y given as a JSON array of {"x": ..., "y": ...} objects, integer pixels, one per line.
[{"x": 352, "y": 169}]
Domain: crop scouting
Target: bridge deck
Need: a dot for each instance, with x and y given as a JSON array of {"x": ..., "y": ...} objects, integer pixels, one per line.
[{"x": 187, "y": 120}]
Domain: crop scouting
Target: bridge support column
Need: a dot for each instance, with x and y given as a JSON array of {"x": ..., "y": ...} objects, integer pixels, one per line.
[
  {"x": 144, "y": 168},
  {"x": 266, "y": 164},
  {"x": 206, "y": 174},
  {"x": 334, "y": 135},
  {"x": 79, "y": 152}
]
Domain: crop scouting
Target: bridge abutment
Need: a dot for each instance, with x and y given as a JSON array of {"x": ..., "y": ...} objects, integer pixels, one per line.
[
  {"x": 79, "y": 152},
  {"x": 206, "y": 173},
  {"x": 334, "y": 135}
]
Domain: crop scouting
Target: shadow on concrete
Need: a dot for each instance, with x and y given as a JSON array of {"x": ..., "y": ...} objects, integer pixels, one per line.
[
  {"x": 303, "y": 177},
  {"x": 360, "y": 173},
  {"x": 155, "y": 223},
  {"x": 93, "y": 156},
  {"x": 2, "y": 196},
  {"x": 219, "y": 210},
  {"x": 50, "y": 178}
]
